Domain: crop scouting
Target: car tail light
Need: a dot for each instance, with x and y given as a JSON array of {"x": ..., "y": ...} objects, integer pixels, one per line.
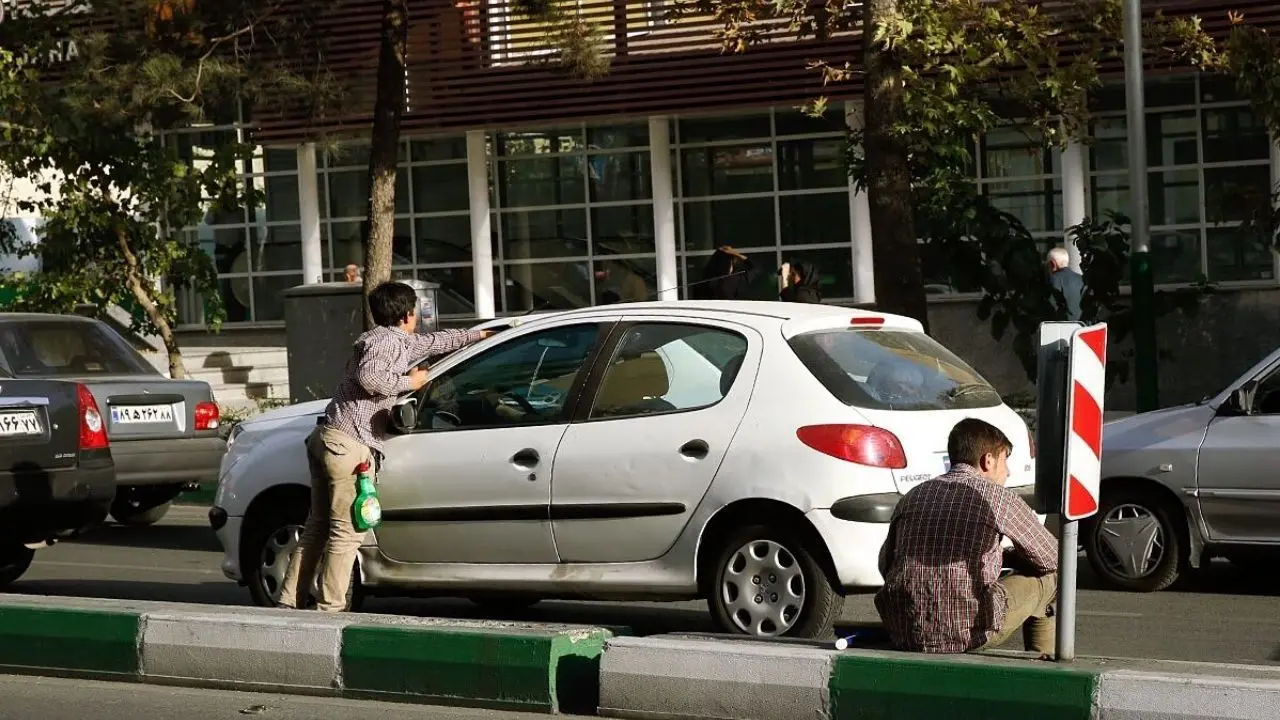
[
  {"x": 207, "y": 416},
  {"x": 93, "y": 432},
  {"x": 861, "y": 444}
]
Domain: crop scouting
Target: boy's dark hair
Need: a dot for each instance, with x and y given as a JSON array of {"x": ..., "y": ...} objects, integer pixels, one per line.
[
  {"x": 390, "y": 302},
  {"x": 971, "y": 439}
]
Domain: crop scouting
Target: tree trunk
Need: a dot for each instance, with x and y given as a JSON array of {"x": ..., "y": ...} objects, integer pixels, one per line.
[
  {"x": 385, "y": 145},
  {"x": 894, "y": 246},
  {"x": 137, "y": 285}
]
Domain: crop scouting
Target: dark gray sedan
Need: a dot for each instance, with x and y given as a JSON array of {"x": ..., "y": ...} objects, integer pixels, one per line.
[{"x": 164, "y": 433}]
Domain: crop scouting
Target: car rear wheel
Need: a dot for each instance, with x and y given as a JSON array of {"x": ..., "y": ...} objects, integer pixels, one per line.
[
  {"x": 15, "y": 558},
  {"x": 132, "y": 513},
  {"x": 268, "y": 543},
  {"x": 769, "y": 583},
  {"x": 1134, "y": 542}
]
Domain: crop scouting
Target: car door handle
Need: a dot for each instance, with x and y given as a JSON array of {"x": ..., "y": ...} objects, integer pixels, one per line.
[
  {"x": 696, "y": 449},
  {"x": 526, "y": 459}
]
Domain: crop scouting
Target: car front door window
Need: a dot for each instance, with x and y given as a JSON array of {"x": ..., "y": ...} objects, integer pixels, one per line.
[{"x": 525, "y": 381}]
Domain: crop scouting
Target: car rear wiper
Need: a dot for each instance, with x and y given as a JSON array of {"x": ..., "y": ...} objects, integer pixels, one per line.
[{"x": 966, "y": 388}]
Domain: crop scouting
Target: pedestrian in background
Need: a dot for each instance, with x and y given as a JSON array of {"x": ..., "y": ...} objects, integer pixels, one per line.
[
  {"x": 727, "y": 275},
  {"x": 941, "y": 563},
  {"x": 352, "y": 273},
  {"x": 800, "y": 283},
  {"x": 1066, "y": 281},
  {"x": 352, "y": 433}
]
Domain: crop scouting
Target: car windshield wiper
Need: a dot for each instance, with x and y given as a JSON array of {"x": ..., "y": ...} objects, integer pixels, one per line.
[{"x": 967, "y": 388}]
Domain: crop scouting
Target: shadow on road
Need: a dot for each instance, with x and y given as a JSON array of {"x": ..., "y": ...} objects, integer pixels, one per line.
[
  {"x": 648, "y": 619},
  {"x": 158, "y": 537},
  {"x": 206, "y": 593}
]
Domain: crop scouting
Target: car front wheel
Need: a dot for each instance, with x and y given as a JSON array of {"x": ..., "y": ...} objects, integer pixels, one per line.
[
  {"x": 769, "y": 583},
  {"x": 268, "y": 543},
  {"x": 1134, "y": 543},
  {"x": 15, "y": 559}
]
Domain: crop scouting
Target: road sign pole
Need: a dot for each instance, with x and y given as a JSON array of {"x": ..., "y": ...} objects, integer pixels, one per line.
[
  {"x": 1068, "y": 544},
  {"x": 1142, "y": 281}
]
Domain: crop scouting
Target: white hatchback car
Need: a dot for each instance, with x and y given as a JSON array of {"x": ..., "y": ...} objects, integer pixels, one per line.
[{"x": 749, "y": 453}]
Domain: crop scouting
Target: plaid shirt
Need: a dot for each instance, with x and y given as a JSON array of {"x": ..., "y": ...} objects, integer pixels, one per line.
[
  {"x": 375, "y": 377},
  {"x": 942, "y": 561}
]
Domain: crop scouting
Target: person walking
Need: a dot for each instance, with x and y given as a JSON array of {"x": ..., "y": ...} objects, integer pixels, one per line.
[
  {"x": 352, "y": 433},
  {"x": 727, "y": 275},
  {"x": 802, "y": 284},
  {"x": 941, "y": 563},
  {"x": 1066, "y": 281}
]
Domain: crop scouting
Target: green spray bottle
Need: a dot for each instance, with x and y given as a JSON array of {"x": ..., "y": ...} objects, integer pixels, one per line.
[{"x": 366, "y": 511}]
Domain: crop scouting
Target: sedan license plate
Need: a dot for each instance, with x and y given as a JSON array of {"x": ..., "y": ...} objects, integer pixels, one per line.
[
  {"x": 20, "y": 423},
  {"x": 141, "y": 414}
]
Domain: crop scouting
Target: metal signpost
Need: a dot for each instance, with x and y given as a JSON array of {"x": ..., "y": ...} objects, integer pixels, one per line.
[{"x": 1071, "y": 379}]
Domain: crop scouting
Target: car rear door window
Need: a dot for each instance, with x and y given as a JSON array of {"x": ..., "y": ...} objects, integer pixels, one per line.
[
  {"x": 67, "y": 349},
  {"x": 892, "y": 370},
  {"x": 668, "y": 367}
]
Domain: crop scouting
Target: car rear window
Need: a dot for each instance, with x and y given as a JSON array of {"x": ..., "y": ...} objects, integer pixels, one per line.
[
  {"x": 67, "y": 349},
  {"x": 892, "y": 370}
]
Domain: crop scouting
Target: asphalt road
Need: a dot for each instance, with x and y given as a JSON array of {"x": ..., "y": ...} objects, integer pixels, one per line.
[
  {"x": 1223, "y": 614},
  {"x": 36, "y": 698}
]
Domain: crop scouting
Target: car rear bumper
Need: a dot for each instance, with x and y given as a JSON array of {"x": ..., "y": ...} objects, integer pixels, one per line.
[
  {"x": 168, "y": 461},
  {"x": 229, "y": 537},
  {"x": 47, "y": 504},
  {"x": 854, "y": 548}
]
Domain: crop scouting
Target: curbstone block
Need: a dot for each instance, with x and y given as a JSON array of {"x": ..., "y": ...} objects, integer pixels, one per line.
[
  {"x": 1135, "y": 695},
  {"x": 714, "y": 679},
  {"x": 230, "y": 650},
  {"x": 67, "y": 641},
  {"x": 510, "y": 669}
]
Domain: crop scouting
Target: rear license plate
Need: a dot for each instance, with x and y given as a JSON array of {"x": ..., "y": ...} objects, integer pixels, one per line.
[
  {"x": 946, "y": 462},
  {"x": 141, "y": 414},
  {"x": 20, "y": 423}
]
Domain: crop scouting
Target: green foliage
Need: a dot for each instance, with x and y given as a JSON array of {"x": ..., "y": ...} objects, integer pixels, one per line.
[
  {"x": 577, "y": 42},
  {"x": 83, "y": 109}
]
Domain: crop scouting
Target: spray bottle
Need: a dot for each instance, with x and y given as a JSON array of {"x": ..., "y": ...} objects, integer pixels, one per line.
[{"x": 366, "y": 511}]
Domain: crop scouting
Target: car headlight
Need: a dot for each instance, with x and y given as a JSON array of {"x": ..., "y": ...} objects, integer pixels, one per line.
[{"x": 235, "y": 433}]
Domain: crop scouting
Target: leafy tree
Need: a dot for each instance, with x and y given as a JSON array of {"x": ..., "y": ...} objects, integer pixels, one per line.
[
  {"x": 86, "y": 93},
  {"x": 579, "y": 49}
]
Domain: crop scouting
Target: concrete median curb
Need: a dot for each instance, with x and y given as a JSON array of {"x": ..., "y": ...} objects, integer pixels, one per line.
[
  {"x": 714, "y": 678},
  {"x": 492, "y": 664}
]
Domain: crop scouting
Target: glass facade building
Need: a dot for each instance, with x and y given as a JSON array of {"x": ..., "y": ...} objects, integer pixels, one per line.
[{"x": 574, "y": 218}]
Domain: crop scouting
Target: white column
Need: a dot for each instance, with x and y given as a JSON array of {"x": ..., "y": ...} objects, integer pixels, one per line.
[
  {"x": 481, "y": 230},
  {"x": 664, "y": 208},
  {"x": 1073, "y": 196},
  {"x": 864, "y": 273},
  {"x": 309, "y": 213}
]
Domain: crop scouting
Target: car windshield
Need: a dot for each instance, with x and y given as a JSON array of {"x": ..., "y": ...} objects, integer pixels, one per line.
[
  {"x": 892, "y": 370},
  {"x": 51, "y": 348}
]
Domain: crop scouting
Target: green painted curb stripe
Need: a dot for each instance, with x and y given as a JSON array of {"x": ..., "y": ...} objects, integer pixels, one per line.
[
  {"x": 913, "y": 688},
  {"x": 70, "y": 641},
  {"x": 548, "y": 671}
]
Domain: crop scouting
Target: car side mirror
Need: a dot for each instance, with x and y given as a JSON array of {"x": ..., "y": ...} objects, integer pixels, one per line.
[
  {"x": 1241, "y": 400},
  {"x": 404, "y": 415}
]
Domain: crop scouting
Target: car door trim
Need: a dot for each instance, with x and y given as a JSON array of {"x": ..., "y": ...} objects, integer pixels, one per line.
[{"x": 513, "y": 513}]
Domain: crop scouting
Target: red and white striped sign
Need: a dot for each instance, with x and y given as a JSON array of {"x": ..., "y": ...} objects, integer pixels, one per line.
[{"x": 1086, "y": 389}]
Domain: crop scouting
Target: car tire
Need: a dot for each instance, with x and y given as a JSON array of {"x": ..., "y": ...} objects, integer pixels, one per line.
[
  {"x": 15, "y": 559},
  {"x": 279, "y": 529},
  {"x": 126, "y": 513},
  {"x": 1135, "y": 506},
  {"x": 771, "y": 554}
]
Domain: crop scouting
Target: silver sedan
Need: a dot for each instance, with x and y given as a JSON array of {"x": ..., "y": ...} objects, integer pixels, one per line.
[{"x": 1189, "y": 483}]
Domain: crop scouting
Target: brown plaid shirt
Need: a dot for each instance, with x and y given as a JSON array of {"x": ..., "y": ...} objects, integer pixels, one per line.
[
  {"x": 375, "y": 377},
  {"x": 941, "y": 563}
]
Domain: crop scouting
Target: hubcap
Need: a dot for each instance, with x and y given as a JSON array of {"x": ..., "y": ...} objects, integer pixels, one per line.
[
  {"x": 762, "y": 588},
  {"x": 1132, "y": 542},
  {"x": 275, "y": 559}
]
